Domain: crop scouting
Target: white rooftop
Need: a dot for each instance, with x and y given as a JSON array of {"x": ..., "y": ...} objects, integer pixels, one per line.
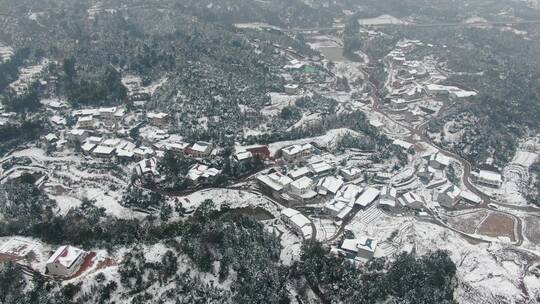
[
  {"x": 85, "y": 118},
  {"x": 157, "y": 115},
  {"x": 201, "y": 146},
  {"x": 66, "y": 256},
  {"x": 331, "y": 183},
  {"x": 367, "y": 197},
  {"x": 110, "y": 110},
  {"x": 276, "y": 180},
  {"x": 104, "y": 150},
  {"x": 320, "y": 167},
  {"x": 88, "y": 146},
  {"x": 77, "y": 131},
  {"x": 468, "y": 195},
  {"x": 299, "y": 172},
  {"x": 300, "y": 220},
  {"x": 335, "y": 205},
  {"x": 411, "y": 197},
  {"x": 302, "y": 183},
  {"x": 364, "y": 243},
  {"x": 349, "y": 193},
  {"x": 295, "y": 149},
  {"x": 490, "y": 176},
  {"x": 243, "y": 155},
  {"x": 111, "y": 142},
  {"x": 351, "y": 171},
  {"x": 289, "y": 212}
]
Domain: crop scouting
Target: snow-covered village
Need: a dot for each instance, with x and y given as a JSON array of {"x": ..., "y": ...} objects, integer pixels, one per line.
[{"x": 292, "y": 155}]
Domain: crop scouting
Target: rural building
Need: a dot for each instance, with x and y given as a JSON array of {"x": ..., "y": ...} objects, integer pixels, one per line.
[
  {"x": 58, "y": 120},
  {"x": 439, "y": 161},
  {"x": 349, "y": 193},
  {"x": 65, "y": 261},
  {"x": 77, "y": 134},
  {"x": 200, "y": 172},
  {"x": 86, "y": 122},
  {"x": 143, "y": 152},
  {"x": 50, "y": 139},
  {"x": 329, "y": 185},
  {"x": 362, "y": 247},
  {"x": 124, "y": 154},
  {"x": 158, "y": 119},
  {"x": 274, "y": 183},
  {"x": 261, "y": 151},
  {"x": 320, "y": 168},
  {"x": 94, "y": 140},
  {"x": 298, "y": 222},
  {"x": 302, "y": 188},
  {"x": 383, "y": 177},
  {"x": 111, "y": 142},
  {"x": 146, "y": 167},
  {"x": 199, "y": 149},
  {"x": 469, "y": 197},
  {"x": 85, "y": 112},
  {"x": 291, "y": 89},
  {"x": 411, "y": 200},
  {"x": 300, "y": 172},
  {"x": 448, "y": 196},
  {"x": 242, "y": 156},
  {"x": 335, "y": 207},
  {"x": 87, "y": 147},
  {"x": 350, "y": 173},
  {"x": 107, "y": 115},
  {"x": 297, "y": 152},
  {"x": 367, "y": 197},
  {"x": 176, "y": 147},
  {"x": 489, "y": 178},
  {"x": 103, "y": 151},
  {"x": 387, "y": 198}
]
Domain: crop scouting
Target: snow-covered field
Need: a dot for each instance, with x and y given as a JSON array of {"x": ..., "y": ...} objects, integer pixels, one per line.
[
  {"x": 278, "y": 102},
  {"x": 328, "y": 140}
]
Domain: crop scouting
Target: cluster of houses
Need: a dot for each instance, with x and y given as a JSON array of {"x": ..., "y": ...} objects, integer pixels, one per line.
[
  {"x": 338, "y": 190},
  {"x": 300, "y": 184},
  {"x": 64, "y": 263},
  {"x": 413, "y": 80},
  {"x": 99, "y": 143}
]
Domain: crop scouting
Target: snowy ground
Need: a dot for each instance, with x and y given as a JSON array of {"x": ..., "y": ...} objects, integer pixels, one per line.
[
  {"x": 328, "y": 140},
  {"x": 71, "y": 177},
  {"x": 278, "y": 102},
  {"x": 232, "y": 197},
  {"x": 493, "y": 271}
]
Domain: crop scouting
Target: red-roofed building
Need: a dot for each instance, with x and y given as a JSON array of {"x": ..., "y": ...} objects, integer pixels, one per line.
[{"x": 262, "y": 151}]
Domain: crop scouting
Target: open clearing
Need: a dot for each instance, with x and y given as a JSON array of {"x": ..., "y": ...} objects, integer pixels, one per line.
[{"x": 497, "y": 225}]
